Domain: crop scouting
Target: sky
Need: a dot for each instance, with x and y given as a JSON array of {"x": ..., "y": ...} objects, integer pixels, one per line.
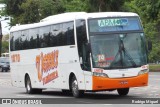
[
  {"x": 5, "y": 26},
  {"x": 4, "y": 23}
]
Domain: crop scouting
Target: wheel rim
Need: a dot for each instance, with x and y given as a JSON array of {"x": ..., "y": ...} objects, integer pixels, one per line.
[{"x": 75, "y": 87}]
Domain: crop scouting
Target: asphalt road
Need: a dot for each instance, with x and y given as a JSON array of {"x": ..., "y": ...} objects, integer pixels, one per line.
[{"x": 100, "y": 98}]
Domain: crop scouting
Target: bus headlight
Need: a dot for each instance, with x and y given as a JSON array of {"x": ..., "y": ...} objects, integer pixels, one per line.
[
  {"x": 99, "y": 74},
  {"x": 143, "y": 71}
]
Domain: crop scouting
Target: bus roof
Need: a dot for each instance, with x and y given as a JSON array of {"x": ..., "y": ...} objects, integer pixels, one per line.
[{"x": 64, "y": 17}]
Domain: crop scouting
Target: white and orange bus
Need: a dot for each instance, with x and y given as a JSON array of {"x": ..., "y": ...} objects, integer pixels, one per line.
[{"x": 80, "y": 52}]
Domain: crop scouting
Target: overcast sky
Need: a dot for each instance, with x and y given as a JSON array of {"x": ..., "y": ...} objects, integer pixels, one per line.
[
  {"x": 5, "y": 23},
  {"x": 5, "y": 26}
]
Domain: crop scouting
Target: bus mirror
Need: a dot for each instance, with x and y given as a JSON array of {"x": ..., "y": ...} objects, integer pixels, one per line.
[{"x": 149, "y": 45}]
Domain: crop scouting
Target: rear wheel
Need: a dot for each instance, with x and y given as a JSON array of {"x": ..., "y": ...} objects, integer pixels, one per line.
[
  {"x": 29, "y": 88},
  {"x": 123, "y": 91},
  {"x": 75, "y": 89},
  {"x": 28, "y": 85}
]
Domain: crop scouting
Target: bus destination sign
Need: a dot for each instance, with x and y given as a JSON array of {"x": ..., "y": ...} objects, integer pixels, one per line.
[{"x": 112, "y": 22}]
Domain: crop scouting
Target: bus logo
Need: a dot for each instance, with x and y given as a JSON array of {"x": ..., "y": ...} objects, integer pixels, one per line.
[
  {"x": 46, "y": 65},
  {"x": 123, "y": 75}
]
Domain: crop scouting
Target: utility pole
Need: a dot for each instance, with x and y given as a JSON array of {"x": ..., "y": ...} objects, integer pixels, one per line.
[{"x": 0, "y": 39}]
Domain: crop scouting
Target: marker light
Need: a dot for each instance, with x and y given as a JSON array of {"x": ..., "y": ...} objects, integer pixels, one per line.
[
  {"x": 99, "y": 74},
  {"x": 143, "y": 71}
]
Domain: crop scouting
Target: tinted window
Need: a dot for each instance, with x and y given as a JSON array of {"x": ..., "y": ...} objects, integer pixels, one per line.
[
  {"x": 48, "y": 36},
  {"x": 62, "y": 34},
  {"x": 68, "y": 33},
  {"x": 81, "y": 41},
  {"x": 45, "y": 36},
  {"x": 11, "y": 41},
  {"x": 54, "y": 32},
  {"x": 33, "y": 38},
  {"x": 24, "y": 40},
  {"x": 16, "y": 40},
  {"x": 59, "y": 34}
]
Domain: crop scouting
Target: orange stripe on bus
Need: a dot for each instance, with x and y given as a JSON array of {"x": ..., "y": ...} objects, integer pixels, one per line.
[{"x": 103, "y": 83}]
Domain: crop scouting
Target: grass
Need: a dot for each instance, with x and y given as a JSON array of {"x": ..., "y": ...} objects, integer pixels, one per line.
[{"x": 154, "y": 67}]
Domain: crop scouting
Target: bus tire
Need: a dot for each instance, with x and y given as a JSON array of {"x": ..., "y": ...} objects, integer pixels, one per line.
[
  {"x": 75, "y": 90},
  {"x": 123, "y": 91},
  {"x": 28, "y": 86}
]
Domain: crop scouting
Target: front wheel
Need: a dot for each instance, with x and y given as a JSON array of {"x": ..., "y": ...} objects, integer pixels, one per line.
[
  {"x": 29, "y": 88},
  {"x": 75, "y": 90},
  {"x": 123, "y": 91}
]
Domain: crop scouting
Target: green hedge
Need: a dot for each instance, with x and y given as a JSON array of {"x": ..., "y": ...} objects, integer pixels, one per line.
[{"x": 154, "y": 67}]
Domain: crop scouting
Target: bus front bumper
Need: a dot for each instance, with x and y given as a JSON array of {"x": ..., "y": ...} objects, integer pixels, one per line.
[{"x": 103, "y": 83}]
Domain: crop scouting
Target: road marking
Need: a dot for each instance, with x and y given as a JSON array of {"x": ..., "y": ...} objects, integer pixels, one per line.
[
  {"x": 107, "y": 104},
  {"x": 153, "y": 91},
  {"x": 25, "y": 96},
  {"x": 85, "y": 102},
  {"x": 138, "y": 93},
  {"x": 157, "y": 94},
  {"x": 150, "y": 94},
  {"x": 153, "y": 75}
]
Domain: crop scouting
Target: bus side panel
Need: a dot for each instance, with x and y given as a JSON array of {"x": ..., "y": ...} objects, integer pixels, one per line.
[
  {"x": 33, "y": 62},
  {"x": 16, "y": 70},
  {"x": 88, "y": 80}
]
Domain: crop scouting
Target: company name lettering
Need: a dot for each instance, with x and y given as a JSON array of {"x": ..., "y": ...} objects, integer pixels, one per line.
[{"x": 46, "y": 63}]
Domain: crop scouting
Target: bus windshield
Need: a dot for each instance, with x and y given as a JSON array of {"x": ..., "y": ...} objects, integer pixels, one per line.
[
  {"x": 117, "y": 43},
  {"x": 118, "y": 50}
]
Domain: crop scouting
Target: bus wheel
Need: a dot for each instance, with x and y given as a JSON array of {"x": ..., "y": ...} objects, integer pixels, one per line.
[
  {"x": 28, "y": 85},
  {"x": 123, "y": 91},
  {"x": 75, "y": 90},
  {"x": 29, "y": 88}
]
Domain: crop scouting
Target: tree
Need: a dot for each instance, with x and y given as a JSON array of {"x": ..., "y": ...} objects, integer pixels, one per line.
[
  {"x": 13, "y": 9},
  {"x": 2, "y": 1},
  {"x": 105, "y": 5},
  {"x": 75, "y": 5},
  {"x": 31, "y": 12},
  {"x": 150, "y": 15},
  {"x": 50, "y": 7},
  {"x": 5, "y": 46}
]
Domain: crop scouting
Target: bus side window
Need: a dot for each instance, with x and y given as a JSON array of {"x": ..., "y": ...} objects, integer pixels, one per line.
[
  {"x": 81, "y": 42},
  {"x": 44, "y": 36},
  {"x": 11, "y": 42},
  {"x": 57, "y": 39},
  {"x": 68, "y": 32},
  {"x": 16, "y": 40},
  {"x": 24, "y": 40},
  {"x": 32, "y": 38}
]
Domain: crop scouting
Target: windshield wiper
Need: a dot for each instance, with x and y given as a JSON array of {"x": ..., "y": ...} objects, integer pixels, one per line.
[
  {"x": 123, "y": 49},
  {"x": 129, "y": 56},
  {"x": 121, "y": 59}
]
